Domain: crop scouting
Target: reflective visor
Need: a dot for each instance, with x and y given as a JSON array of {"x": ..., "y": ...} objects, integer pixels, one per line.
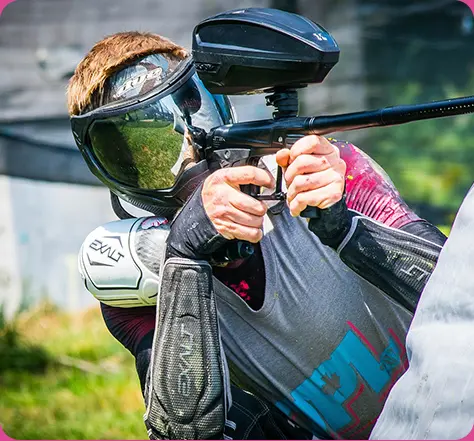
[{"x": 142, "y": 145}]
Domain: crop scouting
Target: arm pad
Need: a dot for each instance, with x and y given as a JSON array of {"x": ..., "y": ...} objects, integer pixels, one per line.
[
  {"x": 187, "y": 388},
  {"x": 395, "y": 261}
]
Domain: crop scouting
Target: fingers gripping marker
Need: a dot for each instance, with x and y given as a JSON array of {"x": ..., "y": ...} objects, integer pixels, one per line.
[
  {"x": 309, "y": 212},
  {"x": 186, "y": 397}
]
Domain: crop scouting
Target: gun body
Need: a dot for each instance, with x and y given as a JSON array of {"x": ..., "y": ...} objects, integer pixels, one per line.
[{"x": 245, "y": 143}]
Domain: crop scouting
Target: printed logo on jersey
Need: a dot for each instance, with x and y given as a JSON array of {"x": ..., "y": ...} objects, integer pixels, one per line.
[{"x": 346, "y": 393}]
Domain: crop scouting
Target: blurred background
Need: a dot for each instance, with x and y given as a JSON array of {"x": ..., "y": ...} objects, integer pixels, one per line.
[{"x": 61, "y": 375}]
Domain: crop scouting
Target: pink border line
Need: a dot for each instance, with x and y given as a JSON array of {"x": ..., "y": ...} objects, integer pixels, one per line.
[
  {"x": 4, "y": 3},
  {"x": 469, "y": 3},
  {"x": 4, "y": 437}
]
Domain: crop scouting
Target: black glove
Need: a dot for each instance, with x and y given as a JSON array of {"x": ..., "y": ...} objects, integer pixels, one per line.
[
  {"x": 192, "y": 234},
  {"x": 332, "y": 224}
]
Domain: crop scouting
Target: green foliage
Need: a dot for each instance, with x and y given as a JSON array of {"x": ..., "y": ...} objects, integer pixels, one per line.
[
  {"x": 64, "y": 377},
  {"x": 16, "y": 353},
  {"x": 429, "y": 161}
]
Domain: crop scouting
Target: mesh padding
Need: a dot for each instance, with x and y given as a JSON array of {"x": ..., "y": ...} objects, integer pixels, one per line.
[{"x": 150, "y": 246}]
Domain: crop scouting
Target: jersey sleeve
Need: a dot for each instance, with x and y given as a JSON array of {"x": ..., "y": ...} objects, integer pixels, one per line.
[
  {"x": 129, "y": 325},
  {"x": 370, "y": 191}
]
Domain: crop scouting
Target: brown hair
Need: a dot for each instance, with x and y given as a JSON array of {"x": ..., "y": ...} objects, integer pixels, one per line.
[{"x": 108, "y": 56}]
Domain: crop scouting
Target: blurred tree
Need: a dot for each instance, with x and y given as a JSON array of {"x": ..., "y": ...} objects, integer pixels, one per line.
[
  {"x": 416, "y": 52},
  {"x": 430, "y": 41},
  {"x": 429, "y": 161}
]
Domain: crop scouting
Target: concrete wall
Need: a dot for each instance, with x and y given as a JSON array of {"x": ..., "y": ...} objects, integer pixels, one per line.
[
  {"x": 42, "y": 226},
  {"x": 41, "y": 42}
]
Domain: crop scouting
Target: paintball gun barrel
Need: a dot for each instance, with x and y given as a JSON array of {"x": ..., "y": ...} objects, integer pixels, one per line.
[
  {"x": 268, "y": 136},
  {"x": 390, "y": 116}
]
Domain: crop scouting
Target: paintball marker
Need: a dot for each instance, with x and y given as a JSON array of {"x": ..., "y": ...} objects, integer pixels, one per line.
[{"x": 261, "y": 50}]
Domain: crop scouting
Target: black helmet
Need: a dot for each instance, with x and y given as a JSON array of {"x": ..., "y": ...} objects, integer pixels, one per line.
[{"x": 136, "y": 143}]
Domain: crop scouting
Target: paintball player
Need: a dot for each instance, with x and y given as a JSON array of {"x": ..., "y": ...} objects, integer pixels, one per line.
[{"x": 313, "y": 322}]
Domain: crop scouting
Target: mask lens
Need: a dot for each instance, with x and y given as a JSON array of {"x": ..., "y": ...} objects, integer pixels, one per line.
[
  {"x": 144, "y": 147},
  {"x": 138, "y": 149}
]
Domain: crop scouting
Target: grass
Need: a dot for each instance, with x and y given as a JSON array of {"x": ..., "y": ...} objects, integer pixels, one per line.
[{"x": 64, "y": 377}]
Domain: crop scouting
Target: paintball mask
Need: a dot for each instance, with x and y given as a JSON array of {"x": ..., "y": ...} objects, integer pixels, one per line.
[{"x": 137, "y": 141}]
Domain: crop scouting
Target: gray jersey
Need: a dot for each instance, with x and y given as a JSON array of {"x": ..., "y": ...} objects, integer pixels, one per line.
[{"x": 326, "y": 346}]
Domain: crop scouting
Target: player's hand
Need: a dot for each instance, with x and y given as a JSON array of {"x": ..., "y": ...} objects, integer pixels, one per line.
[
  {"x": 314, "y": 173},
  {"x": 234, "y": 214}
]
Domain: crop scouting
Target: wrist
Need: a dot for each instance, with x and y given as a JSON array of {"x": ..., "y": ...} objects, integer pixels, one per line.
[
  {"x": 192, "y": 234},
  {"x": 333, "y": 224}
]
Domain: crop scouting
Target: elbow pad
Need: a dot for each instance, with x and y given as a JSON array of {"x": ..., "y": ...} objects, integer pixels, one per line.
[
  {"x": 187, "y": 392},
  {"x": 395, "y": 261},
  {"x": 120, "y": 261}
]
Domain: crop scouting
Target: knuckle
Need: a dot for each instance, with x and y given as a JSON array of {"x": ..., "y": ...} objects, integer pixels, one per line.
[
  {"x": 290, "y": 195},
  {"x": 210, "y": 197},
  {"x": 257, "y": 174},
  {"x": 217, "y": 196},
  {"x": 289, "y": 175},
  {"x": 207, "y": 185},
  {"x": 255, "y": 235},
  {"x": 303, "y": 182},
  {"x": 341, "y": 164},
  {"x": 224, "y": 229},
  {"x": 300, "y": 164},
  {"x": 245, "y": 174},
  {"x": 312, "y": 181},
  {"x": 335, "y": 196},
  {"x": 298, "y": 200},
  {"x": 298, "y": 182},
  {"x": 252, "y": 175},
  {"x": 313, "y": 140},
  {"x": 221, "y": 229},
  {"x": 220, "y": 211},
  {"x": 262, "y": 209},
  {"x": 232, "y": 231},
  {"x": 205, "y": 193}
]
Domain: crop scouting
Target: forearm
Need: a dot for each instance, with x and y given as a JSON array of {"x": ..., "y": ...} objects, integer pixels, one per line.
[
  {"x": 425, "y": 230},
  {"x": 375, "y": 232},
  {"x": 370, "y": 191},
  {"x": 187, "y": 379},
  {"x": 394, "y": 260}
]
